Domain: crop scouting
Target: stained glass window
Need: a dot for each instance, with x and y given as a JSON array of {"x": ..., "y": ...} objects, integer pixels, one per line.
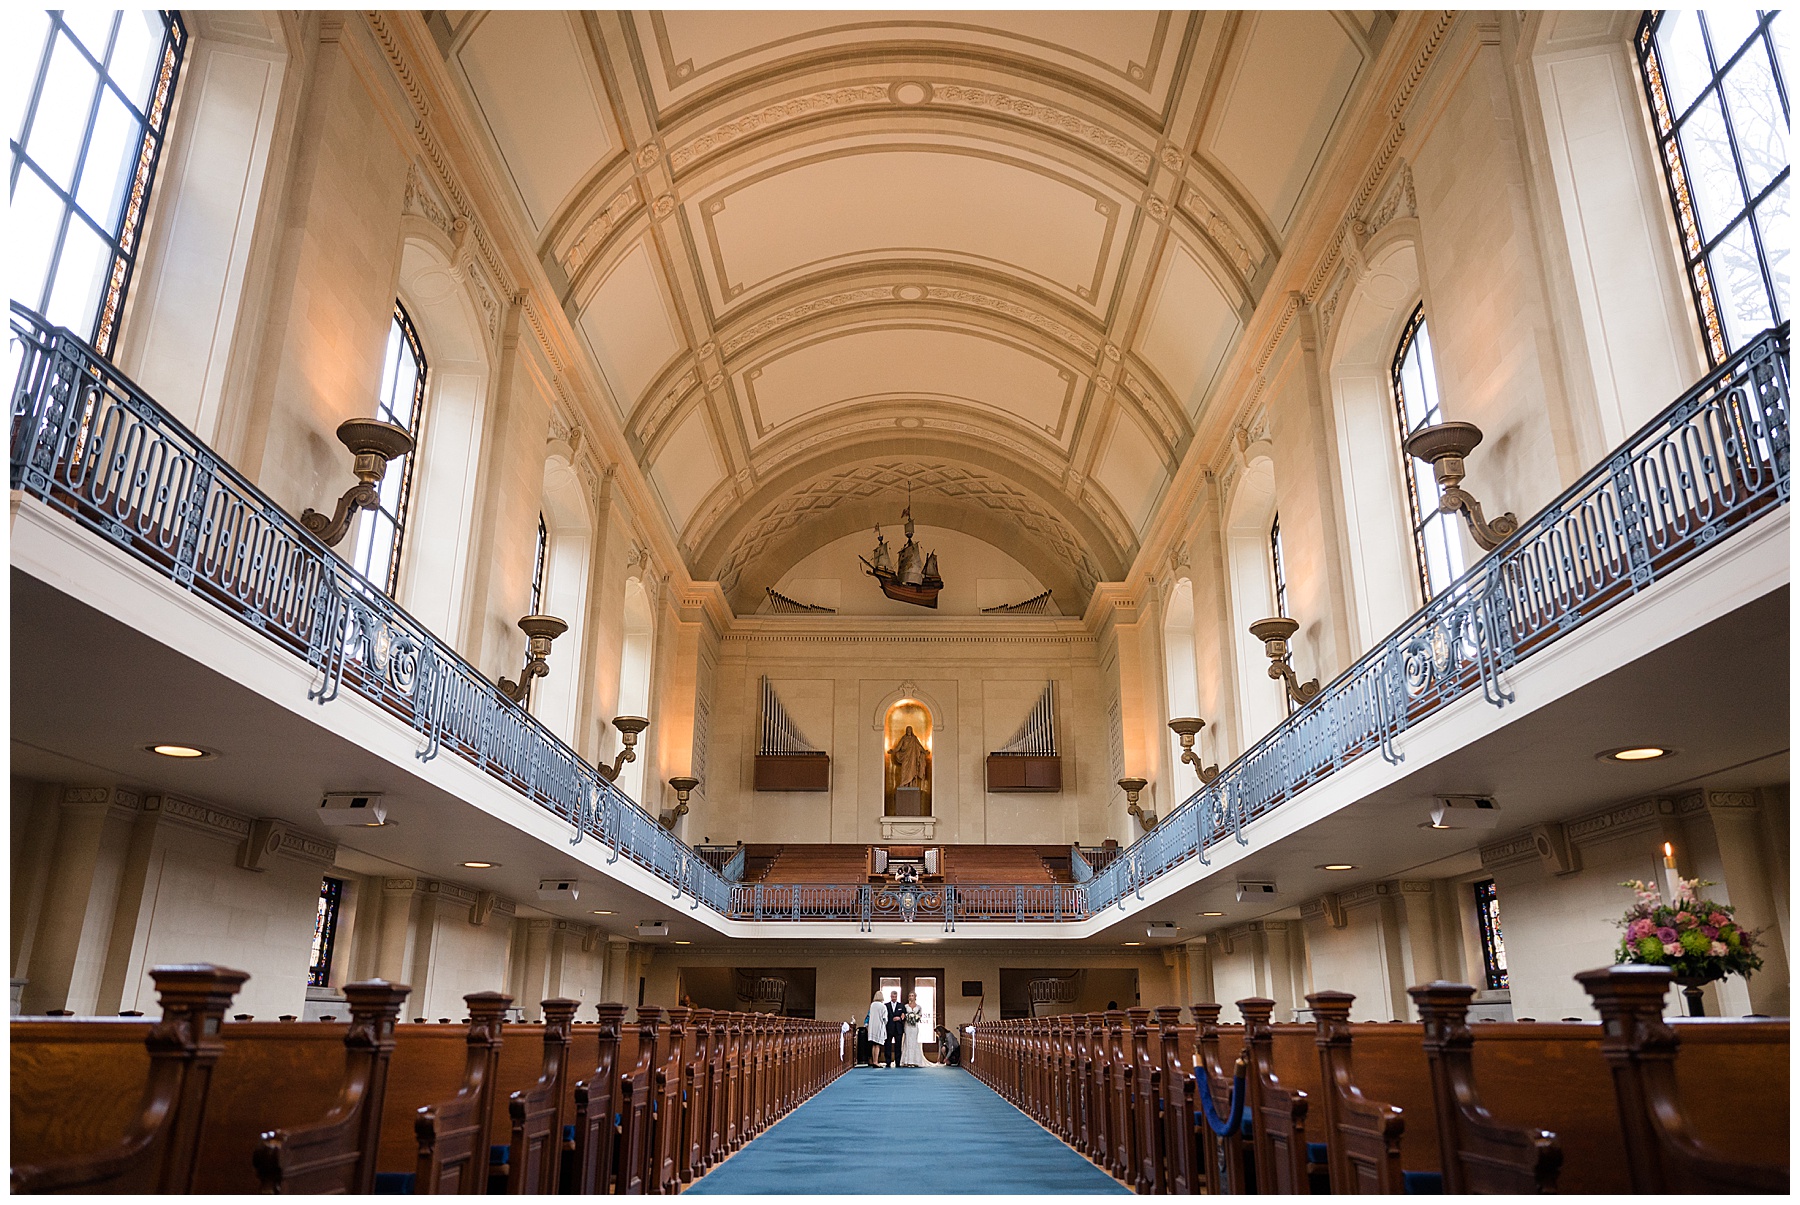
[
  {"x": 1493, "y": 942},
  {"x": 331, "y": 892},
  {"x": 1435, "y": 541},
  {"x": 537, "y": 568},
  {"x": 401, "y": 402},
  {"x": 94, "y": 89},
  {"x": 1718, "y": 102}
]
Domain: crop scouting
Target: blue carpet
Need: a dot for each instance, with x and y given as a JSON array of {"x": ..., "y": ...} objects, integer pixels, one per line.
[{"x": 924, "y": 1130}]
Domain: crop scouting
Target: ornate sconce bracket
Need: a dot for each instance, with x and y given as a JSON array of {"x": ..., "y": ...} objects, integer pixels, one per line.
[
  {"x": 373, "y": 443},
  {"x": 629, "y": 727},
  {"x": 539, "y": 631},
  {"x": 684, "y": 786},
  {"x": 1444, "y": 446},
  {"x": 1275, "y": 632},
  {"x": 1187, "y": 728}
]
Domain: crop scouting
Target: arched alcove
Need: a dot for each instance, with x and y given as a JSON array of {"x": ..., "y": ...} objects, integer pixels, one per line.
[
  {"x": 1251, "y": 511},
  {"x": 556, "y": 699},
  {"x": 635, "y": 657},
  {"x": 1181, "y": 683},
  {"x": 1378, "y": 535},
  {"x": 905, "y": 716},
  {"x": 434, "y": 565}
]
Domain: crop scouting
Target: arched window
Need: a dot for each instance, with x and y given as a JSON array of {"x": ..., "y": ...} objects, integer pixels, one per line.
[
  {"x": 634, "y": 676},
  {"x": 1435, "y": 539},
  {"x": 380, "y": 532},
  {"x": 537, "y": 566},
  {"x": 1276, "y": 568},
  {"x": 94, "y": 90},
  {"x": 1720, "y": 109},
  {"x": 1181, "y": 676}
]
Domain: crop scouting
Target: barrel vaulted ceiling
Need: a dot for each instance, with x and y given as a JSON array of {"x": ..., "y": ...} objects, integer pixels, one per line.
[{"x": 816, "y": 256}]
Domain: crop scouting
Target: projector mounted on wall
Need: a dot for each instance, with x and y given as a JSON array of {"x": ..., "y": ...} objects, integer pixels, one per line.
[
  {"x": 653, "y": 928},
  {"x": 353, "y": 809},
  {"x": 559, "y": 889},
  {"x": 1160, "y": 929},
  {"x": 1251, "y": 889},
  {"x": 1465, "y": 811}
]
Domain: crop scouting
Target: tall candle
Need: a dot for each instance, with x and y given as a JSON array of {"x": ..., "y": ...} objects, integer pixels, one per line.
[{"x": 1671, "y": 880}]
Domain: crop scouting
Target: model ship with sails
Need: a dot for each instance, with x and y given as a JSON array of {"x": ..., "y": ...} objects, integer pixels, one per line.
[{"x": 910, "y": 578}]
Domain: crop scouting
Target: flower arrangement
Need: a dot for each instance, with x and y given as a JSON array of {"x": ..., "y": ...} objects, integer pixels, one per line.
[
  {"x": 1698, "y": 939},
  {"x": 915, "y": 1014}
]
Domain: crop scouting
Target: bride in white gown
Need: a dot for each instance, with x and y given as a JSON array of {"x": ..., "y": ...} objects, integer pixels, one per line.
[{"x": 912, "y": 1048}]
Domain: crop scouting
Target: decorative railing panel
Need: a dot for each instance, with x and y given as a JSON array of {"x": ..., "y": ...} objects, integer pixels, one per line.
[{"x": 1711, "y": 464}]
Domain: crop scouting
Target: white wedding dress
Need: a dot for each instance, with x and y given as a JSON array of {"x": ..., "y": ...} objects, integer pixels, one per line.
[{"x": 912, "y": 1051}]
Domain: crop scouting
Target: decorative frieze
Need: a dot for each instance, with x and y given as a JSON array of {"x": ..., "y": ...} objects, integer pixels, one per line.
[
  {"x": 199, "y": 815},
  {"x": 599, "y": 228},
  {"x": 269, "y": 837}
]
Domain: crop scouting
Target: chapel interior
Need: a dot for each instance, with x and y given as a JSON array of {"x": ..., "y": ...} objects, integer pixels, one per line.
[{"x": 554, "y": 550}]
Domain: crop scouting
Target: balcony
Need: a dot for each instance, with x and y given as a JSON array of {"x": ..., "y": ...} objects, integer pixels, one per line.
[{"x": 92, "y": 448}]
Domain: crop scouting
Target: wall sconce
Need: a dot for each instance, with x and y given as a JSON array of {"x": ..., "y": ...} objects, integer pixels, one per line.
[
  {"x": 539, "y": 631},
  {"x": 1444, "y": 446},
  {"x": 1187, "y": 729},
  {"x": 684, "y": 786},
  {"x": 373, "y": 443},
  {"x": 1132, "y": 788},
  {"x": 1275, "y": 632},
  {"x": 629, "y": 726}
]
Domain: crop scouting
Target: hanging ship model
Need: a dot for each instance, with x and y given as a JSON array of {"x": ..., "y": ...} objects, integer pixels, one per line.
[{"x": 910, "y": 578}]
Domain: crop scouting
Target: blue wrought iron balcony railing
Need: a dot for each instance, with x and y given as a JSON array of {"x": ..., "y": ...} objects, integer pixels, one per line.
[
  {"x": 1711, "y": 464},
  {"x": 93, "y": 446}
]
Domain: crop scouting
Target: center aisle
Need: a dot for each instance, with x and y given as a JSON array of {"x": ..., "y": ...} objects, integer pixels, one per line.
[{"x": 931, "y": 1130}]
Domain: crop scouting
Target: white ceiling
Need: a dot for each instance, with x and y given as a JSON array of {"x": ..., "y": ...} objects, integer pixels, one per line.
[{"x": 1031, "y": 237}]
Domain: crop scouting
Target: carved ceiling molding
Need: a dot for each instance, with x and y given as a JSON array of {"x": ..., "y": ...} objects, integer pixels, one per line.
[
  {"x": 599, "y": 228},
  {"x": 869, "y": 480},
  {"x": 653, "y": 418},
  {"x": 932, "y": 95},
  {"x": 1053, "y": 465}
]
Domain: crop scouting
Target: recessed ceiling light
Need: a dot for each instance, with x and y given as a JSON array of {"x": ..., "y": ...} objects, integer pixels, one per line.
[
  {"x": 906, "y": 943},
  {"x": 1637, "y": 753},
  {"x": 601, "y": 912},
  {"x": 1134, "y": 943},
  {"x": 1336, "y": 866},
  {"x": 684, "y": 943},
  {"x": 481, "y": 865},
  {"x": 186, "y": 752},
  {"x": 1212, "y": 914}
]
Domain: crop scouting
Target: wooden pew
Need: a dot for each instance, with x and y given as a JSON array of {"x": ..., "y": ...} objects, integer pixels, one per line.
[
  {"x": 455, "y": 1135},
  {"x": 596, "y": 1136},
  {"x": 633, "y": 1107},
  {"x": 155, "y": 1148},
  {"x": 1476, "y": 1153},
  {"x": 1148, "y": 1148},
  {"x": 1362, "y": 1135},
  {"x": 1225, "y": 1169},
  {"x": 1278, "y": 1112},
  {"x": 534, "y": 1151},
  {"x": 1664, "y": 1153},
  {"x": 696, "y": 1088},
  {"x": 666, "y": 1083}
]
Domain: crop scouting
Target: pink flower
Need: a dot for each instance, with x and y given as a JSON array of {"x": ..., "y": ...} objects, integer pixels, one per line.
[
  {"x": 1639, "y": 928},
  {"x": 1719, "y": 918},
  {"x": 1710, "y": 930},
  {"x": 1667, "y": 936},
  {"x": 1718, "y": 949},
  {"x": 1684, "y": 918}
]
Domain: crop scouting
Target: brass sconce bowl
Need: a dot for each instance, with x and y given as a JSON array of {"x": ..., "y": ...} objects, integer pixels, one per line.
[
  {"x": 1440, "y": 440},
  {"x": 540, "y": 630},
  {"x": 684, "y": 786},
  {"x": 1186, "y": 727},
  {"x": 373, "y": 437},
  {"x": 1132, "y": 787},
  {"x": 1275, "y": 628},
  {"x": 629, "y": 726}
]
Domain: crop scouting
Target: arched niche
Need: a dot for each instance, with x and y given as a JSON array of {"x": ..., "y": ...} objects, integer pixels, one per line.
[
  {"x": 1249, "y": 515},
  {"x": 903, "y": 716},
  {"x": 1378, "y": 530},
  {"x": 1181, "y": 683},
  {"x": 568, "y": 530},
  {"x": 635, "y": 656},
  {"x": 440, "y": 522}
]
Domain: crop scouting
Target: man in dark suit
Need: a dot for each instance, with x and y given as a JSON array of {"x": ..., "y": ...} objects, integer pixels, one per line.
[{"x": 896, "y": 1029}]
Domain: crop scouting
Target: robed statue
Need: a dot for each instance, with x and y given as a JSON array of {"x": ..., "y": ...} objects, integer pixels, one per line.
[{"x": 911, "y": 760}]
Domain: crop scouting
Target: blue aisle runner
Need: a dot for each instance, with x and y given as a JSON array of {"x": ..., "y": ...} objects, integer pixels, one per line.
[{"x": 933, "y": 1130}]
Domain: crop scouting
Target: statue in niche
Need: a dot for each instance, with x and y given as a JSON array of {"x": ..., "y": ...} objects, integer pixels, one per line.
[{"x": 912, "y": 760}]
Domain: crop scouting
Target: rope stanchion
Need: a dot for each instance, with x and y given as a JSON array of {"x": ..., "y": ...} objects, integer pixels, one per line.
[{"x": 1223, "y": 1128}]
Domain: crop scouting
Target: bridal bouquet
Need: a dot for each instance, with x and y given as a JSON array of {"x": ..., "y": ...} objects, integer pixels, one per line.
[
  {"x": 1697, "y": 939},
  {"x": 915, "y": 1014}
]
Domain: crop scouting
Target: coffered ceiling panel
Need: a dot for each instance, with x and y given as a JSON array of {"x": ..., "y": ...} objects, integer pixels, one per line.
[
  {"x": 537, "y": 91},
  {"x": 1130, "y": 53},
  {"x": 904, "y": 367},
  {"x": 971, "y": 204},
  {"x": 687, "y": 467},
  {"x": 1190, "y": 328},
  {"x": 1281, "y": 99},
  {"x": 628, "y": 325},
  {"x": 1130, "y": 469}
]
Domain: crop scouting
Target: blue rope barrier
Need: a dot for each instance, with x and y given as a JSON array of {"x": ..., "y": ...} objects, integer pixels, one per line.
[{"x": 1223, "y": 1128}]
